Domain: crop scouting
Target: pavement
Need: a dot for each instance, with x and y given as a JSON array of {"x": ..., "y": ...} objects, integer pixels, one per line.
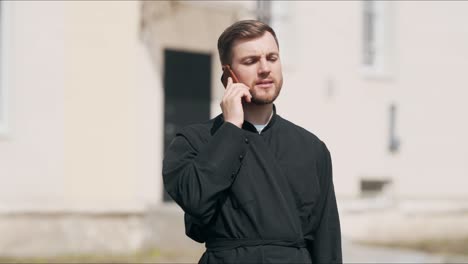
[
  {"x": 174, "y": 239},
  {"x": 352, "y": 253},
  {"x": 356, "y": 253}
]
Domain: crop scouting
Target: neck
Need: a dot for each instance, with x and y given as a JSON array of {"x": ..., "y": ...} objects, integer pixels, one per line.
[{"x": 258, "y": 114}]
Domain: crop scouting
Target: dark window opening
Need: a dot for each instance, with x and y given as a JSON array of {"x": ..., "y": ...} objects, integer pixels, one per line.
[
  {"x": 373, "y": 187},
  {"x": 187, "y": 92}
]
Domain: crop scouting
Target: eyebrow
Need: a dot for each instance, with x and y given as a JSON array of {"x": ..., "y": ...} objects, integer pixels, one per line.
[{"x": 257, "y": 56}]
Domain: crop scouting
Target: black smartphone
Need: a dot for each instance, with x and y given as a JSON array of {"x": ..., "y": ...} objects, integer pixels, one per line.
[{"x": 227, "y": 72}]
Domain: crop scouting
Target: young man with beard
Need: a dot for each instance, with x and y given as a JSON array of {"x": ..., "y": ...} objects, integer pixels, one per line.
[{"x": 255, "y": 187}]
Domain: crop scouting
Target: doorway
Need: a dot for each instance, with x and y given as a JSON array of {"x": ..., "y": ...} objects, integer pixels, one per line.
[{"x": 187, "y": 92}]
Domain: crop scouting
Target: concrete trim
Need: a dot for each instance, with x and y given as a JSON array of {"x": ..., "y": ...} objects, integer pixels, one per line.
[{"x": 5, "y": 51}]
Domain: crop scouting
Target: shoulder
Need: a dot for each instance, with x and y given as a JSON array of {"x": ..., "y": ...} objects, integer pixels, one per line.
[
  {"x": 312, "y": 147},
  {"x": 298, "y": 133},
  {"x": 302, "y": 137},
  {"x": 198, "y": 133},
  {"x": 195, "y": 129}
]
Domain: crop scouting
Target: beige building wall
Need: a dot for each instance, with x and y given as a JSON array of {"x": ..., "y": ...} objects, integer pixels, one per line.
[
  {"x": 327, "y": 91},
  {"x": 32, "y": 150},
  {"x": 433, "y": 59},
  {"x": 80, "y": 161},
  {"x": 82, "y": 109},
  {"x": 109, "y": 118}
]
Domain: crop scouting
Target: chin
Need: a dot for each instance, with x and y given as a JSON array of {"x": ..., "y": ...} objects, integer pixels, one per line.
[
  {"x": 263, "y": 97},
  {"x": 263, "y": 100}
]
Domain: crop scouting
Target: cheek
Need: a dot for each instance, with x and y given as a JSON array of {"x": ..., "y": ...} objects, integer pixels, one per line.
[
  {"x": 246, "y": 77},
  {"x": 277, "y": 68},
  {"x": 278, "y": 73}
]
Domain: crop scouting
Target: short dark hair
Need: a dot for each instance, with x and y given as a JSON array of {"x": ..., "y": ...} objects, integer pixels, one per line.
[{"x": 244, "y": 29}]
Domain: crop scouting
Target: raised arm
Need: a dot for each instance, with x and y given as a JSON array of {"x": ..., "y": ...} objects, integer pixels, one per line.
[{"x": 196, "y": 177}]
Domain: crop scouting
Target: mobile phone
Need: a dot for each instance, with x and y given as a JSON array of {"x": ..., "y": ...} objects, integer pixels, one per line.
[{"x": 227, "y": 72}]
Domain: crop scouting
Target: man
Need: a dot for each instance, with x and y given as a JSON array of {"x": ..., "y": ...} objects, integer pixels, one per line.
[{"x": 254, "y": 187}]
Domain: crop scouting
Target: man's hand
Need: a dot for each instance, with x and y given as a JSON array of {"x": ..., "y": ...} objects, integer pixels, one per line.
[{"x": 231, "y": 104}]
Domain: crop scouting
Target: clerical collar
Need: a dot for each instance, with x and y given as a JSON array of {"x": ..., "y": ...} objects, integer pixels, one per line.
[
  {"x": 219, "y": 120},
  {"x": 261, "y": 127}
]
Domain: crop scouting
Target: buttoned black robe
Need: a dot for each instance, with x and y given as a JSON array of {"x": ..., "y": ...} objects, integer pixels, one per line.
[{"x": 255, "y": 198}]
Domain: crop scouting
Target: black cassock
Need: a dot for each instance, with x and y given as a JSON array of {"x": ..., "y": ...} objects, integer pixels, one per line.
[{"x": 255, "y": 198}]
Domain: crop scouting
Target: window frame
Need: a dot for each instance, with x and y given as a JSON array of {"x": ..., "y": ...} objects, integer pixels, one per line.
[
  {"x": 5, "y": 13},
  {"x": 383, "y": 39},
  {"x": 264, "y": 11}
]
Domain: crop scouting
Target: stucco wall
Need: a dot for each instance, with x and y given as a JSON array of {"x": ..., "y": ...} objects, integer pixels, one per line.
[
  {"x": 327, "y": 92},
  {"x": 32, "y": 153}
]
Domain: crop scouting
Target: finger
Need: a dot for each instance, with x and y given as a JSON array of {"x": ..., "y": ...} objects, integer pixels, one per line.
[
  {"x": 230, "y": 88},
  {"x": 232, "y": 91},
  {"x": 248, "y": 98},
  {"x": 242, "y": 92},
  {"x": 228, "y": 91},
  {"x": 245, "y": 90}
]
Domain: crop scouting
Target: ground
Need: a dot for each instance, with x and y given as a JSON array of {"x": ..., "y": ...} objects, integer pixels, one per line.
[{"x": 352, "y": 253}]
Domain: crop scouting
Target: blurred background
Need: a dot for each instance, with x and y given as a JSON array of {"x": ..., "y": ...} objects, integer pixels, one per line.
[{"x": 92, "y": 92}]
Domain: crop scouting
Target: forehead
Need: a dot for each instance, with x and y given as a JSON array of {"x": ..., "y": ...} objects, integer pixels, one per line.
[{"x": 257, "y": 46}]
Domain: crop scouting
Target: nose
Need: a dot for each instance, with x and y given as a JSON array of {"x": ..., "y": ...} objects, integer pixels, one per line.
[{"x": 264, "y": 67}]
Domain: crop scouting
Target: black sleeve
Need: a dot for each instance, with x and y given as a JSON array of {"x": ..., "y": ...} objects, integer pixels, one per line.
[
  {"x": 196, "y": 178},
  {"x": 326, "y": 246}
]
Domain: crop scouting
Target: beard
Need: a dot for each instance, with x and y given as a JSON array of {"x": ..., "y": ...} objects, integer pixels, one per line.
[{"x": 263, "y": 99}]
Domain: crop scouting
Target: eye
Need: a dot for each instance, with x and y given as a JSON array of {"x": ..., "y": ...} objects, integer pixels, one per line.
[
  {"x": 273, "y": 58},
  {"x": 249, "y": 61}
]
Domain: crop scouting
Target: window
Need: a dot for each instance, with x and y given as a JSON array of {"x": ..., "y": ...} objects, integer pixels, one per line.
[
  {"x": 183, "y": 104},
  {"x": 374, "y": 187},
  {"x": 264, "y": 11},
  {"x": 3, "y": 68},
  {"x": 376, "y": 36},
  {"x": 369, "y": 33}
]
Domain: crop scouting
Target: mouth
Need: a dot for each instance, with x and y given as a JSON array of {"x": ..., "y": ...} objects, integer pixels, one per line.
[{"x": 267, "y": 83}]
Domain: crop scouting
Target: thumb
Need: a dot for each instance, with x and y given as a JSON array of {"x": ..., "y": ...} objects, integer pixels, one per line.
[{"x": 229, "y": 81}]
